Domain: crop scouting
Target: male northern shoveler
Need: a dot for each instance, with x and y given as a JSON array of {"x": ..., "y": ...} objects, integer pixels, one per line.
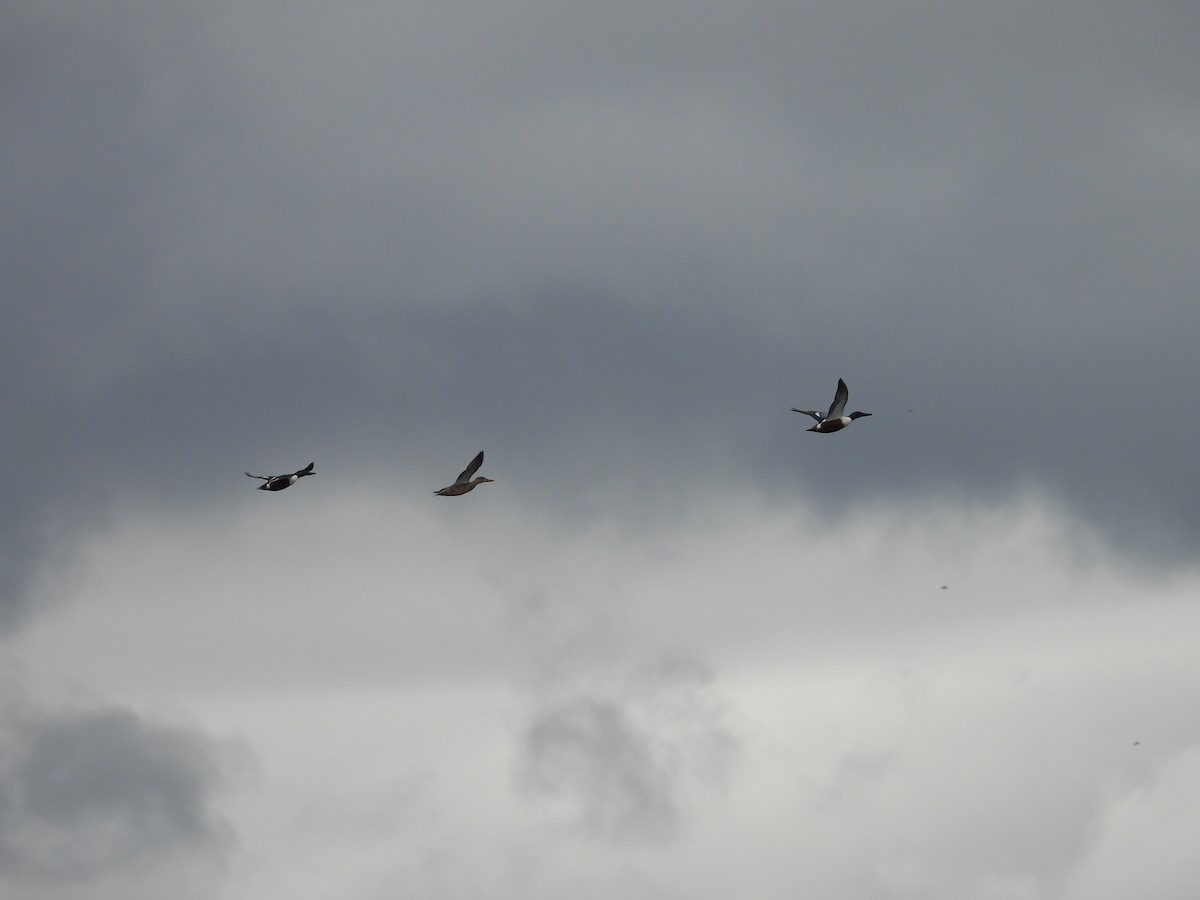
[
  {"x": 279, "y": 482},
  {"x": 834, "y": 420},
  {"x": 463, "y": 483}
]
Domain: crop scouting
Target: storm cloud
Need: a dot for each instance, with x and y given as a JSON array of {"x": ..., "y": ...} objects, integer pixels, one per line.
[
  {"x": 103, "y": 798},
  {"x": 610, "y": 245},
  {"x": 638, "y": 234},
  {"x": 627, "y": 763}
]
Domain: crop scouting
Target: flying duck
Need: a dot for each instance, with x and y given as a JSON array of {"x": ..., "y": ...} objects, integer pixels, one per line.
[
  {"x": 834, "y": 420},
  {"x": 463, "y": 483},
  {"x": 279, "y": 482}
]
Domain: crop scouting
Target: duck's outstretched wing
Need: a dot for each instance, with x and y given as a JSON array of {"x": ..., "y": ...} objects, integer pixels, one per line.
[
  {"x": 262, "y": 477},
  {"x": 839, "y": 401},
  {"x": 819, "y": 416},
  {"x": 470, "y": 469},
  {"x": 307, "y": 470}
]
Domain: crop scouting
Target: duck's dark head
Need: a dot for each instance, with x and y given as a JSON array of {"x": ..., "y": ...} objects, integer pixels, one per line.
[
  {"x": 858, "y": 415},
  {"x": 482, "y": 480}
]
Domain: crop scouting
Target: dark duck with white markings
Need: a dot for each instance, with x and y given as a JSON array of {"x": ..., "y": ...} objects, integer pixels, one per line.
[
  {"x": 835, "y": 419},
  {"x": 279, "y": 482}
]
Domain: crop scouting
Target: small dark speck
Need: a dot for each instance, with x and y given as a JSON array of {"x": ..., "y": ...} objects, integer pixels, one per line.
[
  {"x": 943, "y": 587},
  {"x": 1136, "y": 743}
]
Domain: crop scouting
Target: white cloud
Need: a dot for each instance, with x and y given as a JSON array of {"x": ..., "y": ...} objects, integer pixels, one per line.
[
  {"x": 1143, "y": 844},
  {"x": 747, "y": 692}
]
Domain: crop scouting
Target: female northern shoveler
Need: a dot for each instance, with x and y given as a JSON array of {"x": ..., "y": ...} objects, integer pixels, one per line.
[
  {"x": 834, "y": 420},
  {"x": 463, "y": 483},
  {"x": 279, "y": 482}
]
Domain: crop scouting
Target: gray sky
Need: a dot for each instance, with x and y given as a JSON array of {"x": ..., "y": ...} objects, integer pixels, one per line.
[{"x": 679, "y": 639}]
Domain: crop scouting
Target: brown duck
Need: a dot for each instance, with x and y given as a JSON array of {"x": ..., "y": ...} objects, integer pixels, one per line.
[{"x": 463, "y": 483}]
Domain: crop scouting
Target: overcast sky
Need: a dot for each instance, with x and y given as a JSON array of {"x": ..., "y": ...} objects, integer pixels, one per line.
[{"x": 680, "y": 647}]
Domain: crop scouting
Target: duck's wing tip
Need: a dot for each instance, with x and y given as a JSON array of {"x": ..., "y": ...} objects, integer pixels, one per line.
[{"x": 839, "y": 400}]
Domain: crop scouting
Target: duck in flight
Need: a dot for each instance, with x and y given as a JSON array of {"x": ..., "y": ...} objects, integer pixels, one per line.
[
  {"x": 835, "y": 419},
  {"x": 463, "y": 483},
  {"x": 279, "y": 482}
]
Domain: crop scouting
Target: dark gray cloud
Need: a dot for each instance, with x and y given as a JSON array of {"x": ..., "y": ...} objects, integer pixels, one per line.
[
  {"x": 611, "y": 246},
  {"x": 589, "y": 751},
  {"x": 628, "y": 762},
  {"x": 103, "y": 796}
]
